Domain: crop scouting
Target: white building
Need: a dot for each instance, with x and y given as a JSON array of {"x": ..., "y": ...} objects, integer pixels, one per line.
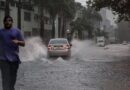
[
  {"x": 107, "y": 24},
  {"x": 30, "y": 21}
]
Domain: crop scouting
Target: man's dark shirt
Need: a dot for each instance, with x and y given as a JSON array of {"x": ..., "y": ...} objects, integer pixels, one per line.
[{"x": 8, "y": 49}]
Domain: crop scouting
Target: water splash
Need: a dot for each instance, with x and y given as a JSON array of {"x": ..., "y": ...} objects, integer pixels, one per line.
[
  {"x": 87, "y": 49},
  {"x": 33, "y": 50},
  {"x": 80, "y": 48}
]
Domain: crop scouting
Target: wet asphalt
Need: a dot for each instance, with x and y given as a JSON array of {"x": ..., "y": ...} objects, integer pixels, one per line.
[
  {"x": 60, "y": 74},
  {"x": 102, "y": 72}
]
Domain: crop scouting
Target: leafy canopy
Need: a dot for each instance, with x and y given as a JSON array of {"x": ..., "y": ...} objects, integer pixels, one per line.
[{"x": 119, "y": 7}]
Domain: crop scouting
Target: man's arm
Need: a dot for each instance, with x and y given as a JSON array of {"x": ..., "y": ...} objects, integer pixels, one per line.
[{"x": 18, "y": 42}]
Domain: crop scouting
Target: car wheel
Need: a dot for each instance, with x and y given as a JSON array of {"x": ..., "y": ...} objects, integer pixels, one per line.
[
  {"x": 68, "y": 56},
  {"x": 48, "y": 56}
]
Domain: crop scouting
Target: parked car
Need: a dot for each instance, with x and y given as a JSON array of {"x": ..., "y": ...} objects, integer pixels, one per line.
[
  {"x": 101, "y": 41},
  {"x": 59, "y": 47},
  {"x": 124, "y": 42}
]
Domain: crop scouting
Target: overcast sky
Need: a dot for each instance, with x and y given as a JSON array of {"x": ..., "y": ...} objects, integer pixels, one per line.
[{"x": 83, "y": 2}]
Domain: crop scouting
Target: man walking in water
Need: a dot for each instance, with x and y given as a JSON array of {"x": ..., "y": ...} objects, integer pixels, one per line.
[{"x": 10, "y": 40}]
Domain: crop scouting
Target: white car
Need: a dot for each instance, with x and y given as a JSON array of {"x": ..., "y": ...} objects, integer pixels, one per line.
[
  {"x": 101, "y": 43},
  {"x": 124, "y": 43},
  {"x": 59, "y": 47}
]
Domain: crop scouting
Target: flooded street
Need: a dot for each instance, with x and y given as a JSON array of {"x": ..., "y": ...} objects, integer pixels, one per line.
[
  {"x": 89, "y": 68},
  {"x": 74, "y": 75},
  {"x": 65, "y": 44}
]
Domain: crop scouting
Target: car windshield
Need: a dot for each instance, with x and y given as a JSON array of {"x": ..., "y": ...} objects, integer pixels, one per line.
[
  {"x": 58, "y": 42},
  {"x": 101, "y": 41}
]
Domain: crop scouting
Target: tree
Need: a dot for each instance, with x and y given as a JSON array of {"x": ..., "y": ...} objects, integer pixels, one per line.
[
  {"x": 19, "y": 14},
  {"x": 78, "y": 25},
  {"x": 120, "y": 7},
  {"x": 42, "y": 5},
  {"x": 7, "y": 8},
  {"x": 64, "y": 9},
  {"x": 99, "y": 32},
  {"x": 67, "y": 13},
  {"x": 86, "y": 21}
]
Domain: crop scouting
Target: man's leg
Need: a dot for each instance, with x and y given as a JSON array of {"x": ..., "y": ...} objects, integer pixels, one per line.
[
  {"x": 13, "y": 73},
  {"x": 5, "y": 73}
]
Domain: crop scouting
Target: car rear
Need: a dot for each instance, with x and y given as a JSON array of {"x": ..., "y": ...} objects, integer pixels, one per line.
[
  {"x": 101, "y": 43},
  {"x": 59, "y": 47}
]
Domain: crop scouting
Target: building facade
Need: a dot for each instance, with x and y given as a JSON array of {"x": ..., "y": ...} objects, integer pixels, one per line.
[
  {"x": 107, "y": 26},
  {"x": 123, "y": 31},
  {"x": 30, "y": 18}
]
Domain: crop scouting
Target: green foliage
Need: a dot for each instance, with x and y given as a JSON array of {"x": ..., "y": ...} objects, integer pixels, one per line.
[
  {"x": 99, "y": 32},
  {"x": 119, "y": 7},
  {"x": 63, "y": 8},
  {"x": 86, "y": 21},
  {"x": 66, "y": 7}
]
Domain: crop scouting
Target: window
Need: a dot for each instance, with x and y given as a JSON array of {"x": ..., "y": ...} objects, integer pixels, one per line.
[
  {"x": 27, "y": 16},
  {"x": 24, "y": 0},
  {"x": 36, "y": 17},
  {"x": 46, "y": 11},
  {"x": 46, "y": 20},
  {"x": 2, "y": 3},
  {"x": 12, "y": 3},
  {"x": 17, "y": 4},
  {"x": 50, "y": 21}
]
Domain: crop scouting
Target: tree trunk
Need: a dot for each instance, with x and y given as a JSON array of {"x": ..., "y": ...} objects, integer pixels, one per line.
[
  {"x": 19, "y": 14},
  {"x": 42, "y": 22},
  {"x": 79, "y": 34},
  {"x": 53, "y": 27},
  {"x": 7, "y": 9},
  {"x": 90, "y": 34},
  {"x": 64, "y": 27},
  {"x": 61, "y": 27}
]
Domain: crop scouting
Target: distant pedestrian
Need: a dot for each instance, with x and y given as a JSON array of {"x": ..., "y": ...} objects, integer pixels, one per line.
[{"x": 10, "y": 40}]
